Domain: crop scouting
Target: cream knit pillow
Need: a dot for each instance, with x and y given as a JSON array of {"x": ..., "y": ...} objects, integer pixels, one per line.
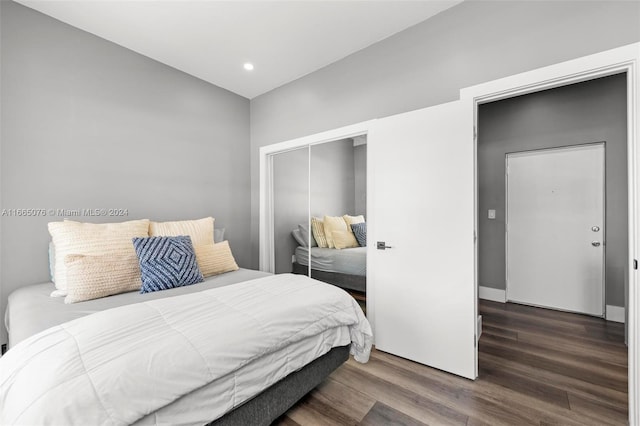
[
  {"x": 93, "y": 239},
  {"x": 92, "y": 277},
  {"x": 200, "y": 231},
  {"x": 214, "y": 259}
]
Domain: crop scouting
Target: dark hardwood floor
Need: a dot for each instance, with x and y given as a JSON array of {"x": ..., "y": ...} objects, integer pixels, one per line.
[{"x": 536, "y": 367}]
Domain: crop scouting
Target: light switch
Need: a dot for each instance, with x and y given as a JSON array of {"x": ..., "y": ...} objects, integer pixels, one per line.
[{"x": 492, "y": 214}]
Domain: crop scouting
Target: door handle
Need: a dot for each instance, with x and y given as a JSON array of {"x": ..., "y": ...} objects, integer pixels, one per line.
[
  {"x": 381, "y": 245},
  {"x": 595, "y": 243}
]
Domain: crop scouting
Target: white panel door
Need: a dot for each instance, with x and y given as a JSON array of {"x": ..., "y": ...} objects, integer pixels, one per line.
[
  {"x": 555, "y": 228},
  {"x": 422, "y": 205}
]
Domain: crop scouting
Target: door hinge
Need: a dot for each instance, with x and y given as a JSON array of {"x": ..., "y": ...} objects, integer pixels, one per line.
[{"x": 635, "y": 263}]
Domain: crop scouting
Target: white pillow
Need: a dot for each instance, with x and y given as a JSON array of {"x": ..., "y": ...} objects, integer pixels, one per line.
[
  {"x": 298, "y": 237},
  {"x": 218, "y": 235}
]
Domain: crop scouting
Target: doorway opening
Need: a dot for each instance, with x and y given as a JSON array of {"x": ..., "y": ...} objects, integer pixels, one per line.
[{"x": 528, "y": 240}]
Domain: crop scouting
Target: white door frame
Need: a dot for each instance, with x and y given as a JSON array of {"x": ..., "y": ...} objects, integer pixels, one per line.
[
  {"x": 614, "y": 61},
  {"x": 604, "y": 216}
]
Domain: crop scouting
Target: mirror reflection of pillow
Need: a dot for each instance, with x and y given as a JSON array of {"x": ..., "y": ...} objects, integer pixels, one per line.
[
  {"x": 306, "y": 235},
  {"x": 352, "y": 220},
  {"x": 344, "y": 239},
  {"x": 360, "y": 232},
  {"x": 298, "y": 237},
  {"x": 317, "y": 228},
  {"x": 333, "y": 223}
]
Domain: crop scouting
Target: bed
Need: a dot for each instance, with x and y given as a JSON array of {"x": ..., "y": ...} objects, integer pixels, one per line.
[
  {"x": 345, "y": 268},
  {"x": 163, "y": 358},
  {"x": 31, "y": 310}
]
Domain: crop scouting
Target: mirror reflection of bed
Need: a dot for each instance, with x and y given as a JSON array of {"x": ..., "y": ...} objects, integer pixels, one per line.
[{"x": 319, "y": 195}]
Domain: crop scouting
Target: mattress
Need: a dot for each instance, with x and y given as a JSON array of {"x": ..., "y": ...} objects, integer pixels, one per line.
[
  {"x": 31, "y": 309},
  {"x": 352, "y": 261}
]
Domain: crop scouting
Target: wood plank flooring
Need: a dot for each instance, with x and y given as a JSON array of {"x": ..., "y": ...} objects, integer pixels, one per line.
[{"x": 536, "y": 367}]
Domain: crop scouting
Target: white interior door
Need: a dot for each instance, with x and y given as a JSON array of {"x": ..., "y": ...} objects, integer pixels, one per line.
[
  {"x": 555, "y": 228},
  {"x": 422, "y": 205}
]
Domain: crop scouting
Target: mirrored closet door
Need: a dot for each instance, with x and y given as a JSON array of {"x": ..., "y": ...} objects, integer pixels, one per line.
[
  {"x": 320, "y": 213},
  {"x": 290, "y": 181}
]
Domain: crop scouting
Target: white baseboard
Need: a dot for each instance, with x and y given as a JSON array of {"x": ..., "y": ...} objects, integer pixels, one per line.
[
  {"x": 493, "y": 294},
  {"x": 615, "y": 313}
]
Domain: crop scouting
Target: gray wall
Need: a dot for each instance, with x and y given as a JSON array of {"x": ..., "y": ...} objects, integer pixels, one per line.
[
  {"x": 87, "y": 123},
  {"x": 592, "y": 111},
  {"x": 427, "y": 64},
  {"x": 332, "y": 191},
  {"x": 360, "y": 176},
  {"x": 332, "y": 179}
]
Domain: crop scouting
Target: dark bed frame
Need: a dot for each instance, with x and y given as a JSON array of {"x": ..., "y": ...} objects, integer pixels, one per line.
[
  {"x": 274, "y": 401},
  {"x": 346, "y": 281}
]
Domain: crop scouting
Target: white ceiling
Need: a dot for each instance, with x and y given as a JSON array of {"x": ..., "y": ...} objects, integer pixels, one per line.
[{"x": 212, "y": 40}]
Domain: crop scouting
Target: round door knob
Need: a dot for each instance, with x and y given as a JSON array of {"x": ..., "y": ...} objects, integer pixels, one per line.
[
  {"x": 595, "y": 228},
  {"x": 595, "y": 243}
]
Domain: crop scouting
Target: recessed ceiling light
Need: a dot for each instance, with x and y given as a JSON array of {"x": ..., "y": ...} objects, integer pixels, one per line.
[{"x": 248, "y": 66}]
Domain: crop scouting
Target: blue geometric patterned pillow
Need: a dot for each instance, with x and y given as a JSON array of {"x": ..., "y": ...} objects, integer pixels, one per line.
[
  {"x": 166, "y": 262},
  {"x": 360, "y": 231}
]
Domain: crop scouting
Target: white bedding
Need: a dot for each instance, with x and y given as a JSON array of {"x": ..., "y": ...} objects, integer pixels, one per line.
[
  {"x": 196, "y": 407},
  {"x": 126, "y": 364}
]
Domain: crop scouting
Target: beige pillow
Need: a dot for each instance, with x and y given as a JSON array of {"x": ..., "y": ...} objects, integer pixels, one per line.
[
  {"x": 200, "y": 231},
  {"x": 214, "y": 259},
  {"x": 93, "y": 239},
  {"x": 350, "y": 220},
  {"x": 317, "y": 228},
  {"x": 333, "y": 223},
  {"x": 344, "y": 239},
  {"x": 92, "y": 277}
]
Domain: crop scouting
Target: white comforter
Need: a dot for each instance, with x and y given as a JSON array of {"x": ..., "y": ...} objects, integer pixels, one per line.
[{"x": 116, "y": 366}]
